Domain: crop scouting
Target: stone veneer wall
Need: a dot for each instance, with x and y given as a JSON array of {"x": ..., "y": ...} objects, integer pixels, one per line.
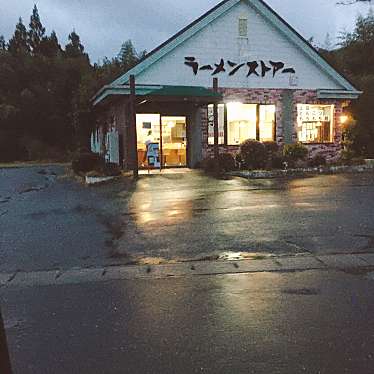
[{"x": 274, "y": 96}]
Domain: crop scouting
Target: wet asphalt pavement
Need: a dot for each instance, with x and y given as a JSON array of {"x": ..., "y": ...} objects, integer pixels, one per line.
[
  {"x": 49, "y": 221},
  {"x": 306, "y": 322},
  {"x": 317, "y": 321}
]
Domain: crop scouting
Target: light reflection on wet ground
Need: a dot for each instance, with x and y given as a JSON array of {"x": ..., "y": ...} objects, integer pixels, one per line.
[
  {"x": 48, "y": 222},
  {"x": 190, "y": 215}
]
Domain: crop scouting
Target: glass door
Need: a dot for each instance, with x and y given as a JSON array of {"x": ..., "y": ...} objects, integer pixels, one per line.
[
  {"x": 173, "y": 141},
  {"x": 148, "y": 135}
]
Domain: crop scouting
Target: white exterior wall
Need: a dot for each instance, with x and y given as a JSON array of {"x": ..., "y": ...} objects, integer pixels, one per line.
[
  {"x": 96, "y": 140},
  {"x": 220, "y": 40},
  {"x": 111, "y": 144}
]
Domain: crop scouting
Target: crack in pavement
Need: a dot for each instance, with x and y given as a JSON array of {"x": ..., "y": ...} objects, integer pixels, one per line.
[{"x": 3, "y": 213}]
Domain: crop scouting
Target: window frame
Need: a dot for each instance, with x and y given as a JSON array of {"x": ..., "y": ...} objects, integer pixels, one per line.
[
  {"x": 332, "y": 125},
  {"x": 242, "y": 20},
  {"x": 258, "y": 132},
  {"x": 224, "y": 124}
]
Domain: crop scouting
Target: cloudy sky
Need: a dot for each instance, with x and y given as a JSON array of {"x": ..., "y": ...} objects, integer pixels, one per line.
[{"x": 103, "y": 25}]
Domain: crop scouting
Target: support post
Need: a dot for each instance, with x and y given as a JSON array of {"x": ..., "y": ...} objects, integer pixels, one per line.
[
  {"x": 5, "y": 367},
  {"x": 134, "y": 137},
  {"x": 216, "y": 129}
]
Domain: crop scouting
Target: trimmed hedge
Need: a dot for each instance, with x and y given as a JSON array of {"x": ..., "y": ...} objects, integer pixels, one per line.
[
  {"x": 226, "y": 162},
  {"x": 253, "y": 154},
  {"x": 293, "y": 153}
]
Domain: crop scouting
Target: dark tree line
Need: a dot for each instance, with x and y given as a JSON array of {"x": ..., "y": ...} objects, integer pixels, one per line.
[
  {"x": 45, "y": 91},
  {"x": 355, "y": 58}
]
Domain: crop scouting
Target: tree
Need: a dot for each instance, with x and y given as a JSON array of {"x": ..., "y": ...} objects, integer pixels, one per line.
[
  {"x": 74, "y": 48},
  {"x": 2, "y": 43},
  {"x": 328, "y": 44},
  {"x": 127, "y": 55},
  {"x": 36, "y": 31},
  {"x": 49, "y": 46},
  {"x": 355, "y": 57},
  {"x": 18, "y": 44}
]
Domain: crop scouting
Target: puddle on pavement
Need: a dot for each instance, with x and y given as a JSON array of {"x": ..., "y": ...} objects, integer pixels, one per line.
[
  {"x": 237, "y": 256},
  {"x": 127, "y": 259}
]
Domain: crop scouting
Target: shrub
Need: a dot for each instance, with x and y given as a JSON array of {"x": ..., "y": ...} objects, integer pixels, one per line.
[
  {"x": 226, "y": 162},
  {"x": 317, "y": 160},
  {"x": 293, "y": 153},
  {"x": 272, "y": 148},
  {"x": 277, "y": 162},
  {"x": 274, "y": 156},
  {"x": 253, "y": 154},
  {"x": 88, "y": 161}
]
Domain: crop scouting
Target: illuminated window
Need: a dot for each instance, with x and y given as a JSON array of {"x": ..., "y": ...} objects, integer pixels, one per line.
[
  {"x": 314, "y": 123},
  {"x": 148, "y": 129},
  {"x": 221, "y": 124},
  {"x": 267, "y": 123},
  {"x": 241, "y": 122},
  {"x": 243, "y": 27}
]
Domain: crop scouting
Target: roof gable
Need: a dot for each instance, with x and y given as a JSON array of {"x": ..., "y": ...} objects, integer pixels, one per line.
[{"x": 221, "y": 9}]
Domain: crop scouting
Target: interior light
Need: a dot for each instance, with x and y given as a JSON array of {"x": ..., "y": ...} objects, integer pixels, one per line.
[{"x": 234, "y": 105}]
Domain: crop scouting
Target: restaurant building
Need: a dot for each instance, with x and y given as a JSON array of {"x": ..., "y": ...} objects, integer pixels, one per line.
[{"x": 272, "y": 86}]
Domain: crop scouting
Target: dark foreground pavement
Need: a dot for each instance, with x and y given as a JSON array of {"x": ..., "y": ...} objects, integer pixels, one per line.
[
  {"x": 48, "y": 221},
  {"x": 303, "y": 322}
]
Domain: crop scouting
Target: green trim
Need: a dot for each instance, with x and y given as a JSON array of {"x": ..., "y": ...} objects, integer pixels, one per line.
[
  {"x": 122, "y": 90},
  {"x": 338, "y": 94},
  {"x": 185, "y": 91},
  {"x": 148, "y": 90}
]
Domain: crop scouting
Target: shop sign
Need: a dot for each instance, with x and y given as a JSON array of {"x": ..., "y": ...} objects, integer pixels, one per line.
[{"x": 257, "y": 68}]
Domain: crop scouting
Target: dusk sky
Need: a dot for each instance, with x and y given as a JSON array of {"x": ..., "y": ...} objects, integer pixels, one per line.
[{"x": 104, "y": 25}]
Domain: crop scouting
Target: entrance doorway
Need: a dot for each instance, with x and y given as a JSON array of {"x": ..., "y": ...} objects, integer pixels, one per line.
[
  {"x": 174, "y": 141},
  {"x": 166, "y": 134}
]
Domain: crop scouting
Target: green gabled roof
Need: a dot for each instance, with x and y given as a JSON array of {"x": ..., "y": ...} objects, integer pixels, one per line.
[
  {"x": 262, "y": 8},
  {"x": 149, "y": 90},
  {"x": 185, "y": 91}
]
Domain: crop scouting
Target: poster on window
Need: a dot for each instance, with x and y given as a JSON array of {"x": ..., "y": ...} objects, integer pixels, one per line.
[
  {"x": 153, "y": 158},
  {"x": 221, "y": 121}
]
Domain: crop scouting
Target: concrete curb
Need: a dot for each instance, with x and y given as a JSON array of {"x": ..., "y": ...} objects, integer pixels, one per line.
[
  {"x": 275, "y": 264},
  {"x": 302, "y": 172}
]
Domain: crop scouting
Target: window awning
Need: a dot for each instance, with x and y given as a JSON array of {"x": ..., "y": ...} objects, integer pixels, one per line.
[{"x": 172, "y": 93}]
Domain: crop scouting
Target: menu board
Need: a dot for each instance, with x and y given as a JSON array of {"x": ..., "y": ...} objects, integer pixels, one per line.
[{"x": 313, "y": 113}]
